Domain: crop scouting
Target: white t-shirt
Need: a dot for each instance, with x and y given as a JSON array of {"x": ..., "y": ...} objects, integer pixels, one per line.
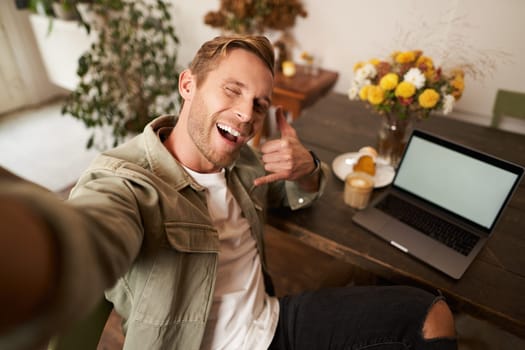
[{"x": 242, "y": 315}]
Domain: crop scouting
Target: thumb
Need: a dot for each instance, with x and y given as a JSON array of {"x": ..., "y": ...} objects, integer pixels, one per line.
[{"x": 284, "y": 127}]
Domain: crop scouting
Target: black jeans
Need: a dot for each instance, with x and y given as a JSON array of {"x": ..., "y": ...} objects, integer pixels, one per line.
[{"x": 357, "y": 318}]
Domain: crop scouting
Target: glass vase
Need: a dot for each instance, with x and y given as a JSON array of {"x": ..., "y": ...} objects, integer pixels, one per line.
[{"x": 392, "y": 138}]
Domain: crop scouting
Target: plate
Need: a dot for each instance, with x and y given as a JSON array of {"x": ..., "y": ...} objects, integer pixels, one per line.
[{"x": 344, "y": 164}]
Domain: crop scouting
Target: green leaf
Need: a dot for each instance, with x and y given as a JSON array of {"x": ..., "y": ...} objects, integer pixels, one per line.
[
  {"x": 89, "y": 143},
  {"x": 126, "y": 69}
]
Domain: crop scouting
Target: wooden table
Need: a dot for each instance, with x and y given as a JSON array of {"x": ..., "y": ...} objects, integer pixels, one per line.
[
  {"x": 494, "y": 285},
  {"x": 302, "y": 90}
]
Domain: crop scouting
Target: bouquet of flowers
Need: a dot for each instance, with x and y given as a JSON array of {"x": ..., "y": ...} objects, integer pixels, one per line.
[{"x": 406, "y": 85}]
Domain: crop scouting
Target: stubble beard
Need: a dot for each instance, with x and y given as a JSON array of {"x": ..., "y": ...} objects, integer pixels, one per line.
[{"x": 200, "y": 130}]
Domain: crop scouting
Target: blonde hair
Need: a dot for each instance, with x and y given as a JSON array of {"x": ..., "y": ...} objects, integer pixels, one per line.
[{"x": 212, "y": 51}]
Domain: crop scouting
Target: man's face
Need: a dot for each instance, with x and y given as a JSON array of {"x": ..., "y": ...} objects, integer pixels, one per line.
[{"x": 229, "y": 106}]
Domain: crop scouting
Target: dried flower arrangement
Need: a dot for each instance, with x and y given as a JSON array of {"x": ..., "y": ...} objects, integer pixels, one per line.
[{"x": 255, "y": 16}]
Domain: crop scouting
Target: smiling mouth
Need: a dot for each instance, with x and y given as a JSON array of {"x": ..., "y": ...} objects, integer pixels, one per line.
[{"x": 228, "y": 132}]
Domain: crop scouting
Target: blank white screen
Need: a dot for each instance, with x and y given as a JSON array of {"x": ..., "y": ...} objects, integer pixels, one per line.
[{"x": 464, "y": 185}]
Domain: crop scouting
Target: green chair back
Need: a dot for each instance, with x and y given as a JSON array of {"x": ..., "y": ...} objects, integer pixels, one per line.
[
  {"x": 509, "y": 104},
  {"x": 85, "y": 334}
]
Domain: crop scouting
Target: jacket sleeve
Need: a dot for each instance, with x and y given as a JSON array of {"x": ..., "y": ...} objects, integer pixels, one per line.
[
  {"x": 98, "y": 235},
  {"x": 289, "y": 194}
]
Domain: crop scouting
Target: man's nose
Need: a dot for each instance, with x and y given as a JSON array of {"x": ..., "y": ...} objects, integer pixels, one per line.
[{"x": 244, "y": 111}]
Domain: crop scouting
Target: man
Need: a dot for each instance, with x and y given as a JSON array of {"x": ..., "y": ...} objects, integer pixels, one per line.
[{"x": 172, "y": 221}]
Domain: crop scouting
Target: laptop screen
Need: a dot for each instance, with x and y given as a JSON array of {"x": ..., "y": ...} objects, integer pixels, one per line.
[{"x": 465, "y": 182}]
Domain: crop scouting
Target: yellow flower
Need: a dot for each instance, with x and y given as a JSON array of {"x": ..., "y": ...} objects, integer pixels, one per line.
[
  {"x": 458, "y": 85},
  {"x": 358, "y": 65},
  {"x": 430, "y": 74},
  {"x": 427, "y": 61},
  {"x": 405, "y": 57},
  {"x": 408, "y": 82},
  {"x": 425, "y": 64},
  {"x": 458, "y": 82},
  {"x": 424, "y": 61},
  {"x": 405, "y": 89},
  {"x": 376, "y": 94},
  {"x": 428, "y": 98},
  {"x": 363, "y": 93},
  {"x": 389, "y": 81}
]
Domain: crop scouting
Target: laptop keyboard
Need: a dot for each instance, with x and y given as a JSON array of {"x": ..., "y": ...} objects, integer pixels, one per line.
[{"x": 449, "y": 234}]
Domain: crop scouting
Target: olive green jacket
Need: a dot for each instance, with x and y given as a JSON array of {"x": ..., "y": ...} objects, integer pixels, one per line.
[{"x": 139, "y": 219}]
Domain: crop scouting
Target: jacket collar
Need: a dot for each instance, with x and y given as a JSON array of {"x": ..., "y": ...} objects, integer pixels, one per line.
[{"x": 161, "y": 161}]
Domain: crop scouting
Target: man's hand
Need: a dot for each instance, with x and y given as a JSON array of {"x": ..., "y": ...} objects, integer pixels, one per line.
[
  {"x": 286, "y": 158},
  {"x": 29, "y": 262}
]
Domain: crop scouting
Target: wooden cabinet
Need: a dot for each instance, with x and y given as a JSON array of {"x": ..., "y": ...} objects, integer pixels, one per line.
[{"x": 302, "y": 90}]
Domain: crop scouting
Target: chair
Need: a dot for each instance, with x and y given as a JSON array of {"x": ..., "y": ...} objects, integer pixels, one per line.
[
  {"x": 85, "y": 334},
  {"x": 508, "y": 103}
]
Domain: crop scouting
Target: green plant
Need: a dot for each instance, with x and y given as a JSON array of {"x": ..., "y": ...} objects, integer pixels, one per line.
[
  {"x": 41, "y": 7},
  {"x": 63, "y": 9},
  {"x": 129, "y": 76},
  {"x": 46, "y": 8}
]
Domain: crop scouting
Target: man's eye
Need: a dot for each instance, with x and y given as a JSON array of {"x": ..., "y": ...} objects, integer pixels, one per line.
[
  {"x": 260, "y": 108},
  {"x": 232, "y": 91}
]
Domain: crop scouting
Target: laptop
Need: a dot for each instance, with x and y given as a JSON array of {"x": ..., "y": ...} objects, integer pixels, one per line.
[{"x": 443, "y": 203}]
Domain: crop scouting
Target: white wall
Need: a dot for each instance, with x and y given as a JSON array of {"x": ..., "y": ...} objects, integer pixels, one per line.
[
  {"x": 66, "y": 42},
  {"x": 23, "y": 78},
  {"x": 342, "y": 32}
]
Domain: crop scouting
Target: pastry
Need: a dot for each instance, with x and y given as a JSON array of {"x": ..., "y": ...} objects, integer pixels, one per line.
[
  {"x": 366, "y": 161},
  {"x": 366, "y": 164}
]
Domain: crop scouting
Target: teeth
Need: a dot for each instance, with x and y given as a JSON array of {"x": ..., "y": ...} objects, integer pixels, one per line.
[{"x": 229, "y": 130}]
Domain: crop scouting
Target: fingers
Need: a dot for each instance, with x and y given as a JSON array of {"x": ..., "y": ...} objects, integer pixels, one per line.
[
  {"x": 285, "y": 128},
  {"x": 285, "y": 163},
  {"x": 277, "y": 156},
  {"x": 272, "y": 146},
  {"x": 269, "y": 178},
  {"x": 282, "y": 157}
]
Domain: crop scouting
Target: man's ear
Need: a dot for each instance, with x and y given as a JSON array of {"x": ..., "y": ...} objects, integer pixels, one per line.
[{"x": 187, "y": 84}]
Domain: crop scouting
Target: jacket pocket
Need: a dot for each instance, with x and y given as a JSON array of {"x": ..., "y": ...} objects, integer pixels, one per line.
[
  {"x": 192, "y": 238},
  {"x": 177, "y": 283}
]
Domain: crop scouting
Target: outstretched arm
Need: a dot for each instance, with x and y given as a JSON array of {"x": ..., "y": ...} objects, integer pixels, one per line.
[
  {"x": 58, "y": 257},
  {"x": 29, "y": 262}
]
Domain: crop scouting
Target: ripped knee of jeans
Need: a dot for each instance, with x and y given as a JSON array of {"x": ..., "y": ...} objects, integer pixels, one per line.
[{"x": 439, "y": 322}]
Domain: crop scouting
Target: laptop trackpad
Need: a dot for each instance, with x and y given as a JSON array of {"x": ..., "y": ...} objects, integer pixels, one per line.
[
  {"x": 398, "y": 234},
  {"x": 406, "y": 238}
]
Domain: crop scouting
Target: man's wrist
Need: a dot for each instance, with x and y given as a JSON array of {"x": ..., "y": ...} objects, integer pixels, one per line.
[
  {"x": 310, "y": 182},
  {"x": 317, "y": 162}
]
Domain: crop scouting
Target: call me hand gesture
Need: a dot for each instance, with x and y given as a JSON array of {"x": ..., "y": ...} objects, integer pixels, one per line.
[{"x": 287, "y": 159}]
